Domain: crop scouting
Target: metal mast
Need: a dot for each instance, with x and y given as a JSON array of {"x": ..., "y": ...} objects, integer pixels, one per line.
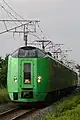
[
  {"x": 22, "y": 26},
  {"x": 25, "y": 36},
  {"x": 43, "y": 43}
]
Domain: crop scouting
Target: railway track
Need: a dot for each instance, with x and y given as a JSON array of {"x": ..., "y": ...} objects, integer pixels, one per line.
[
  {"x": 6, "y": 107},
  {"x": 16, "y": 114},
  {"x": 19, "y": 114},
  {"x": 24, "y": 114},
  {"x": 8, "y": 112}
]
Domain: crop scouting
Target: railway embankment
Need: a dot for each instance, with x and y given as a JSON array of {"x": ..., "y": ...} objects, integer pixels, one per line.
[
  {"x": 4, "y": 98},
  {"x": 68, "y": 108}
]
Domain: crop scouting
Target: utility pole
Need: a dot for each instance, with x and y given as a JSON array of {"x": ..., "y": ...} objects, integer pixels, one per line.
[{"x": 25, "y": 36}]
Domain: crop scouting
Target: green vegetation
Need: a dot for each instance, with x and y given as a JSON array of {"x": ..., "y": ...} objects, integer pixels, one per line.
[
  {"x": 4, "y": 98},
  {"x": 66, "y": 109},
  {"x": 3, "y": 71}
]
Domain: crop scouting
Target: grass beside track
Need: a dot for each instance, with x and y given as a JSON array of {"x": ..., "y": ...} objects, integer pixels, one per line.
[
  {"x": 67, "y": 108},
  {"x": 4, "y": 98}
]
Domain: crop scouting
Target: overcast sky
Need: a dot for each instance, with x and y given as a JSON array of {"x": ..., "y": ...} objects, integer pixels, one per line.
[{"x": 59, "y": 19}]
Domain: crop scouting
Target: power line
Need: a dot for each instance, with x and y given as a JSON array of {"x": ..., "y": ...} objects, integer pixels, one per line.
[
  {"x": 12, "y": 9},
  {"x": 7, "y": 13},
  {"x": 41, "y": 31},
  {"x": 35, "y": 36}
]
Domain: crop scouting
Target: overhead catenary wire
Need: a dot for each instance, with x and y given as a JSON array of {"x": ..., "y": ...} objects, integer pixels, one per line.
[
  {"x": 5, "y": 25},
  {"x": 12, "y": 9},
  {"x": 35, "y": 36},
  {"x": 11, "y": 15},
  {"x": 8, "y": 16},
  {"x": 8, "y": 13},
  {"x": 41, "y": 31}
]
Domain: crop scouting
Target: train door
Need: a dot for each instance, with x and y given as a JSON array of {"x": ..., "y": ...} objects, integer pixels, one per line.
[{"x": 27, "y": 72}]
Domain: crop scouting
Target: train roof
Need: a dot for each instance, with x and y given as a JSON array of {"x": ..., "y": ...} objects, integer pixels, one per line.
[
  {"x": 46, "y": 55},
  {"x": 28, "y": 48},
  {"x": 61, "y": 63}
]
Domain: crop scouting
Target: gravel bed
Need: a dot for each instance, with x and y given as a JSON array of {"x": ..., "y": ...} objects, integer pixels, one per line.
[
  {"x": 5, "y": 107},
  {"x": 40, "y": 114}
]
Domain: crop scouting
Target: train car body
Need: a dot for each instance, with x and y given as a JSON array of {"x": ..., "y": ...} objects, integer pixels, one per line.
[{"x": 33, "y": 75}]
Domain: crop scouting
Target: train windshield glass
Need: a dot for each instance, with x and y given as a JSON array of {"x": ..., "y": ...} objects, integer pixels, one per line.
[
  {"x": 28, "y": 53},
  {"x": 15, "y": 54}
]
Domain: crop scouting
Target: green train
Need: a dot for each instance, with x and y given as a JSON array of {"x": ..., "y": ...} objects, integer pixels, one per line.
[{"x": 35, "y": 76}]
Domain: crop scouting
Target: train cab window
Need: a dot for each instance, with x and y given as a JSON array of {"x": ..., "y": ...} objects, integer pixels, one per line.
[
  {"x": 40, "y": 53},
  {"x": 32, "y": 53},
  {"x": 15, "y": 53},
  {"x": 27, "y": 73},
  {"x": 22, "y": 53},
  {"x": 28, "y": 52}
]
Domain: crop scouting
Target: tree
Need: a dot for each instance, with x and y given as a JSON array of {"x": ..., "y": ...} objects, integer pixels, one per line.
[{"x": 3, "y": 71}]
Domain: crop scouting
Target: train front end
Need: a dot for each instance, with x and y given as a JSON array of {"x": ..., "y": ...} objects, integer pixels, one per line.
[{"x": 24, "y": 77}]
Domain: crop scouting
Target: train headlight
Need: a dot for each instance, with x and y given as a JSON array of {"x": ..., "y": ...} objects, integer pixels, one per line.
[
  {"x": 15, "y": 79},
  {"x": 39, "y": 79}
]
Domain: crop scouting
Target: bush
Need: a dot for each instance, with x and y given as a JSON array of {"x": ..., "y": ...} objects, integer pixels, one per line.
[
  {"x": 4, "y": 98},
  {"x": 66, "y": 109}
]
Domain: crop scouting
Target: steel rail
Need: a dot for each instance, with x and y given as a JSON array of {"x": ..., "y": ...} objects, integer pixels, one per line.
[
  {"x": 24, "y": 114},
  {"x": 9, "y": 111}
]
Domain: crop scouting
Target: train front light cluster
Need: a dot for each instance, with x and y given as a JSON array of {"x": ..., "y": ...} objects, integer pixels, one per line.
[
  {"x": 15, "y": 79},
  {"x": 39, "y": 79}
]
